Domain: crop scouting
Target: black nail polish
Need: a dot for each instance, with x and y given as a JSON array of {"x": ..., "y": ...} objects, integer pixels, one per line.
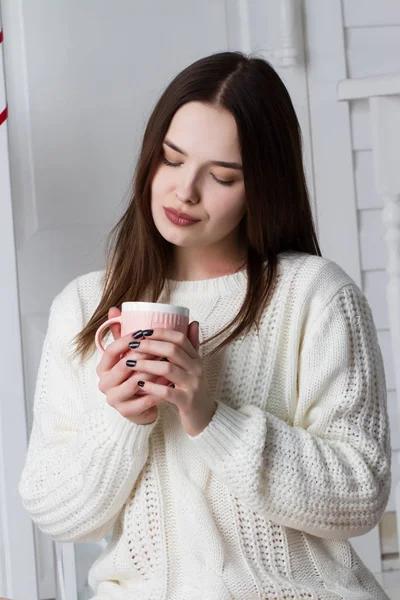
[
  {"x": 141, "y": 383},
  {"x": 165, "y": 358},
  {"x": 134, "y": 345},
  {"x": 138, "y": 334},
  {"x": 130, "y": 363},
  {"x": 148, "y": 332}
]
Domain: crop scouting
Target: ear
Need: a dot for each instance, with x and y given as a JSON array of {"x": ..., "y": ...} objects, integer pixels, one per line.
[{"x": 193, "y": 334}]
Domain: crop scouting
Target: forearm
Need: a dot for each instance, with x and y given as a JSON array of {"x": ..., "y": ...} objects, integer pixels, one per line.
[
  {"x": 76, "y": 486},
  {"x": 292, "y": 477}
]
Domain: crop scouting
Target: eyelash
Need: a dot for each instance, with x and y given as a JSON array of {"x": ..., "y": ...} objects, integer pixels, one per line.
[{"x": 170, "y": 164}]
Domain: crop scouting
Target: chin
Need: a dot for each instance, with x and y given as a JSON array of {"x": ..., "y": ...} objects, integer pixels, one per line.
[
  {"x": 183, "y": 240},
  {"x": 171, "y": 233}
]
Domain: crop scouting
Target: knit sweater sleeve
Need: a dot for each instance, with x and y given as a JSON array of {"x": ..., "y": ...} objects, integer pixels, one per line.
[
  {"x": 82, "y": 461},
  {"x": 328, "y": 472}
]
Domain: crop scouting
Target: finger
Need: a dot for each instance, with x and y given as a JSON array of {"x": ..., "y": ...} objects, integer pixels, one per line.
[
  {"x": 135, "y": 407},
  {"x": 171, "y": 372},
  {"x": 169, "y": 350},
  {"x": 176, "y": 337},
  {"x": 121, "y": 372},
  {"x": 136, "y": 390},
  {"x": 151, "y": 378},
  {"x": 125, "y": 371},
  {"x": 164, "y": 392},
  {"x": 130, "y": 388},
  {"x": 113, "y": 352}
]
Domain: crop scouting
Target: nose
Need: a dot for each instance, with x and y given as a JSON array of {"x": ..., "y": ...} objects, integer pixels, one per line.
[
  {"x": 185, "y": 196},
  {"x": 186, "y": 191},
  {"x": 184, "y": 200}
]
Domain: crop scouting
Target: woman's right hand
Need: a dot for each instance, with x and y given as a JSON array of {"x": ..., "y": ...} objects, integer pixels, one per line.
[{"x": 119, "y": 383}]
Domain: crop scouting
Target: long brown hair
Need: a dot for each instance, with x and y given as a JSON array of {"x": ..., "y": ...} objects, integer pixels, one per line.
[{"x": 278, "y": 218}]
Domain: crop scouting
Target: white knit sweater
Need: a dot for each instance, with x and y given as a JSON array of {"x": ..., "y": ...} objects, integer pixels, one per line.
[{"x": 261, "y": 504}]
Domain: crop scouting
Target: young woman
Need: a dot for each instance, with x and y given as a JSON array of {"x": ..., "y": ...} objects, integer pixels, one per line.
[{"x": 245, "y": 476}]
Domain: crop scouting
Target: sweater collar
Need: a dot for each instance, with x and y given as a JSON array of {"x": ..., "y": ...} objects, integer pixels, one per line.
[
  {"x": 215, "y": 286},
  {"x": 225, "y": 285}
]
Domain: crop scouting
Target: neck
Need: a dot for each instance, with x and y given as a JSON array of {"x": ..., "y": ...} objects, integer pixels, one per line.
[{"x": 199, "y": 266}]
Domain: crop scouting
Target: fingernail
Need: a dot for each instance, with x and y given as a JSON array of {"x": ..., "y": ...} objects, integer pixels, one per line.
[
  {"x": 134, "y": 345},
  {"x": 130, "y": 363},
  {"x": 137, "y": 334},
  {"x": 148, "y": 331},
  {"x": 141, "y": 383},
  {"x": 165, "y": 358}
]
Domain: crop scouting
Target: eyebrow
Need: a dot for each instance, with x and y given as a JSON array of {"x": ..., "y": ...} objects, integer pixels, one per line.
[{"x": 219, "y": 163}]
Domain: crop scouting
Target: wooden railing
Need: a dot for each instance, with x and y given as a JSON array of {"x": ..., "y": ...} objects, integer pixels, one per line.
[{"x": 383, "y": 95}]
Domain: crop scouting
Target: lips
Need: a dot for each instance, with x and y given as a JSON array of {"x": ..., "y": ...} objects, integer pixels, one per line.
[{"x": 180, "y": 214}]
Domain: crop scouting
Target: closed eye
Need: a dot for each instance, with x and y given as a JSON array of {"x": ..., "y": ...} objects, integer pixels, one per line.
[{"x": 171, "y": 164}]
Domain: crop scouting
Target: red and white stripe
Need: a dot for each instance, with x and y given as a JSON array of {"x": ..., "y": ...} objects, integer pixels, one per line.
[
  {"x": 5, "y": 184},
  {"x": 3, "y": 103}
]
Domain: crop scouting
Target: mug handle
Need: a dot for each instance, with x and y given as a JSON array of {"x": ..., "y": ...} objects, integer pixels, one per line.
[{"x": 100, "y": 331}]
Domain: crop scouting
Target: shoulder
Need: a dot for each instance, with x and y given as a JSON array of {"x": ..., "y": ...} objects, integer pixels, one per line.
[
  {"x": 314, "y": 276},
  {"x": 313, "y": 282},
  {"x": 78, "y": 299},
  {"x": 318, "y": 289}
]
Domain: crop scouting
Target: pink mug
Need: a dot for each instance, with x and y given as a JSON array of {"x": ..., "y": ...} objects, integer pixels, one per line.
[{"x": 146, "y": 315}]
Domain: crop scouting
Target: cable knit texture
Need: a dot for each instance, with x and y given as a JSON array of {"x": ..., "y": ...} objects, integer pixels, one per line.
[{"x": 261, "y": 504}]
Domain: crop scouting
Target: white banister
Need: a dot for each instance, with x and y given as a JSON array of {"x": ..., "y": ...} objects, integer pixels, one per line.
[
  {"x": 287, "y": 52},
  {"x": 385, "y": 126},
  {"x": 65, "y": 564},
  {"x": 353, "y": 89},
  {"x": 383, "y": 94}
]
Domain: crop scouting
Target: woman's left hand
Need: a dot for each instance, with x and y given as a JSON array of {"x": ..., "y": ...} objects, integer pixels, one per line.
[{"x": 184, "y": 369}]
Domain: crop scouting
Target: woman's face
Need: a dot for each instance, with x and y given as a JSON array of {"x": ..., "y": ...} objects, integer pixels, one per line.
[{"x": 189, "y": 182}]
